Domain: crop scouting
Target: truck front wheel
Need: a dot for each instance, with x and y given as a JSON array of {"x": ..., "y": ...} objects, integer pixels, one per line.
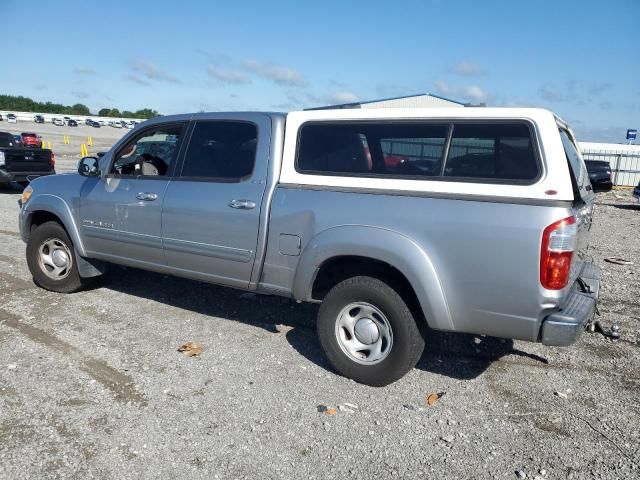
[
  {"x": 367, "y": 331},
  {"x": 52, "y": 260}
]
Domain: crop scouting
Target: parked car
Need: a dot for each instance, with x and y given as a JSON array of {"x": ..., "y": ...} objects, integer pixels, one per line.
[
  {"x": 636, "y": 192},
  {"x": 11, "y": 118},
  {"x": 599, "y": 175},
  {"x": 1, "y": 117},
  {"x": 30, "y": 139},
  {"x": 72, "y": 123},
  {"x": 95, "y": 124},
  {"x": 38, "y": 119},
  {"x": 19, "y": 164},
  {"x": 58, "y": 121},
  {"x": 88, "y": 122},
  {"x": 485, "y": 236},
  {"x": 65, "y": 120}
]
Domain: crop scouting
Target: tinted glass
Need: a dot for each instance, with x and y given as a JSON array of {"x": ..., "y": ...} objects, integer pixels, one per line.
[
  {"x": 492, "y": 151},
  {"x": 576, "y": 163},
  {"x": 391, "y": 149},
  {"x": 6, "y": 140},
  {"x": 149, "y": 154},
  {"x": 224, "y": 150}
]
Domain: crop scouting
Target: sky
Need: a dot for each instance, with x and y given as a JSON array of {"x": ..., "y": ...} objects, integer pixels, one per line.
[{"x": 580, "y": 59}]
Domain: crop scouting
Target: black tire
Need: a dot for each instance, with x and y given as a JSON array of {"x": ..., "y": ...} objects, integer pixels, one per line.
[
  {"x": 406, "y": 347},
  {"x": 72, "y": 281}
]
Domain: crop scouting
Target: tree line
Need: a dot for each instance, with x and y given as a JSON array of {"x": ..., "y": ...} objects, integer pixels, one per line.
[{"x": 24, "y": 104}]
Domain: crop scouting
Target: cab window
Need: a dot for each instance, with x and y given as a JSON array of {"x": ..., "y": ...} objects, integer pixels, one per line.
[
  {"x": 221, "y": 151},
  {"x": 151, "y": 153}
]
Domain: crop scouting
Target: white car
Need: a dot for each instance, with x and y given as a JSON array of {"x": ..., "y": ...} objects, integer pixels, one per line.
[
  {"x": 58, "y": 121},
  {"x": 11, "y": 118}
]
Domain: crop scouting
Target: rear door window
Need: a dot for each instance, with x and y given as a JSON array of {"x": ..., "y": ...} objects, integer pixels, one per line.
[
  {"x": 576, "y": 163},
  {"x": 495, "y": 152},
  {"x": 222, "y": 150}
]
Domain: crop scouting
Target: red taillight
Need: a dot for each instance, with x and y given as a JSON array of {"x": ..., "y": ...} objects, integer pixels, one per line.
[
  {"x": 52, "y": 160},
  {"x": 556, "y": 253}
]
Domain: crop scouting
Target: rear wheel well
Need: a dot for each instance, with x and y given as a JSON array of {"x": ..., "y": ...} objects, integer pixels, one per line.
[{"x": 338, "y": 269}]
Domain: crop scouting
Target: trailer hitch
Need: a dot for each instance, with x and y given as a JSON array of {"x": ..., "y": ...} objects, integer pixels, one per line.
[{"x": 596, "y": 327}]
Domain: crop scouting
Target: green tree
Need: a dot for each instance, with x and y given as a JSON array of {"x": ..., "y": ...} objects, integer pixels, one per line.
[
  {"x": 104, "y": 112},
  {"x": 80, "y": 109},
  {"x": 114, "y": 112},
  {"x": 146, "y": 113}
]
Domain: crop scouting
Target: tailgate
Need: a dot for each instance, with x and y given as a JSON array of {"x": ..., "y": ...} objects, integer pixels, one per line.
[{"x": 27, "y": 160}]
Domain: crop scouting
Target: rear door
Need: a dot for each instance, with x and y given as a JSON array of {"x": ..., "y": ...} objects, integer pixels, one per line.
[
  {"x": 584, "y": 198},
  {"x": 211, "y": 211}
]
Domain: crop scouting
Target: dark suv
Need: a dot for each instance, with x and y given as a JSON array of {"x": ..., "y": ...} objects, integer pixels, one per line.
[{"x": 600, "y": 175}]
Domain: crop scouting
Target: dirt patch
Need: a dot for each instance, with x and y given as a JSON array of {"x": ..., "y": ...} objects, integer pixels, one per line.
[
  {"x": 120, "y": 385},
  {"x": 10, "y": 233},
  {"x": 13, "y": 433}
]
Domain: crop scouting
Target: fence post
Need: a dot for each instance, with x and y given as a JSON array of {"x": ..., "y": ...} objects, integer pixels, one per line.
[{"x": 615, "y": 172}]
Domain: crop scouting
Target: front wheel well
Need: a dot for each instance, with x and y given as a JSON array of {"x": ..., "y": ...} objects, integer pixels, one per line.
[
  {"x": 42, "y": 216},
  {"x": 338, "y": 269}
]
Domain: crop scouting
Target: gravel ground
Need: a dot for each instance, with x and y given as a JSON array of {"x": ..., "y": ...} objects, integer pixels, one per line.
[
  {"x": 67, "y": 156},
  {"x": 91, "y": 385}
]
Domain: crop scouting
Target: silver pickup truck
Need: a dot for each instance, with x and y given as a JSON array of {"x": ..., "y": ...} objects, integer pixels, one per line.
[{"x": 467, "y": 220}]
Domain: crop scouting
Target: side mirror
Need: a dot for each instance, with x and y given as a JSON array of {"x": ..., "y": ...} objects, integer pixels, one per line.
[{"x": 89, "y": 167}]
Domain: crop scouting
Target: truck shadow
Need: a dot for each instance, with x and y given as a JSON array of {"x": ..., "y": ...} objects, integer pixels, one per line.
[{"x": 455, "y": 355}]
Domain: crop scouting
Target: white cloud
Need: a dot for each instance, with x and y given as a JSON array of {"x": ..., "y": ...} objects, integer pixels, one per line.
[
  {"x": 599, "y": 88},
  {"x": 466, "y": 69},
  {"x": 551, "y": 94},
  {"x": 228, "y": 75},
  {"x": 135, "y": 79},
  {"x": 341, "y": 97},
  {"x": 471, "y": 93},
  {"x": 278, "y": 74},
  {"x": 84, "y": 70},
  {"x": 151, "y": 71}
]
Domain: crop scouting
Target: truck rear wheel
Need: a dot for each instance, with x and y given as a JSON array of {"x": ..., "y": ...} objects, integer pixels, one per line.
[
  {"x": 367, "y": 331},
  {"x": 52, "y": 260}
]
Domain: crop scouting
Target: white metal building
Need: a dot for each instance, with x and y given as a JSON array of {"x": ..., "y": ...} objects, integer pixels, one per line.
[
  {"x": 421, "y": 100},
  {"x": 624, "y": 160}
]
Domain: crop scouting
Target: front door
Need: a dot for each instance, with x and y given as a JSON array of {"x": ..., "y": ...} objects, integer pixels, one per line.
[
  {"x": 211, "y": 210},
  {"x": 121, "y": 212}
]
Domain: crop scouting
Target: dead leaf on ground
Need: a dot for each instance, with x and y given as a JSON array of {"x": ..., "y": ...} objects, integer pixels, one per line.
[
  {"x": 327, "y": 410},
  {"x": 190, "y": 349},
  {"x": 432, "y": 398}
]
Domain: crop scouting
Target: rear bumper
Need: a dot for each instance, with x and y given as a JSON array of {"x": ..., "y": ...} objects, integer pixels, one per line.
[
  {"x": 21, "y": 176},
  {"x": 564, "y": 327}
]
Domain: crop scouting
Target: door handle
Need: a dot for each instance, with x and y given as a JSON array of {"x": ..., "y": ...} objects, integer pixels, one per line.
[
  {"x": 242, "y": 204},
  {"x": 147, "y": 196}
]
